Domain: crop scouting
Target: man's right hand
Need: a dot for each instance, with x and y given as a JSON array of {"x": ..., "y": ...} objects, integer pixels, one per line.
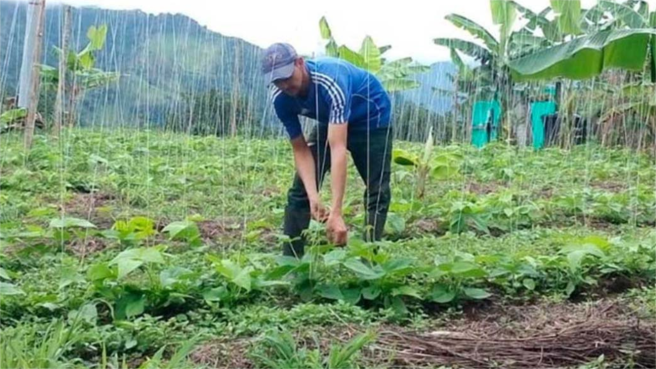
[{"x": 319, "y": 212}]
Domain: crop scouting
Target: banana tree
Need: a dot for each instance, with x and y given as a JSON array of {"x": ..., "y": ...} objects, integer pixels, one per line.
[
  {"x": 443, "y": 166},
  {"x": 81, "y": 66},
  {"x": 492, "y": 55},
  {"x": 393, "y": 75},
  {"x": 625, "y": 41}
]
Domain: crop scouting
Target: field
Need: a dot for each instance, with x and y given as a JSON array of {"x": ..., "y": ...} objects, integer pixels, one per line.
[{"x": 152, "y": 249}]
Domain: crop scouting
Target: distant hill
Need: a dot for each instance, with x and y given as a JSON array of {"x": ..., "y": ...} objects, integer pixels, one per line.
[
  {"x": 162, "y": 58},
  {"x": 424, "y": 96}
]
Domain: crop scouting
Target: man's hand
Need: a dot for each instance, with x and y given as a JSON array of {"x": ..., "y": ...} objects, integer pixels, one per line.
[
  {"x": 336, "y": 230},
  {"x": 319, "y": 212}
]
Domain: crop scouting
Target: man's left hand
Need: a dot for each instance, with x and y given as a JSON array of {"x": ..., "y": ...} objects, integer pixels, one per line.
[{"x": 336, "y": 230}]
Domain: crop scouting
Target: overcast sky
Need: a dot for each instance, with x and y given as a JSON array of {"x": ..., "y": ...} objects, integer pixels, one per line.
[{"x": 408, "y": 25}]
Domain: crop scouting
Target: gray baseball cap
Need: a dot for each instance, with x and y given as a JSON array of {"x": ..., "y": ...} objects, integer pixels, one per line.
[{"x": 278, "y": 62}]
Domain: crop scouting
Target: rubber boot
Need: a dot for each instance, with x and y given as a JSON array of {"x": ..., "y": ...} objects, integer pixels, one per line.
[{"x": 296, "y": 221}]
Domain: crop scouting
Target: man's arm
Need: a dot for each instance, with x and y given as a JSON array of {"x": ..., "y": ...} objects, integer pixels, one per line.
[{"x": 337, "y": 136}]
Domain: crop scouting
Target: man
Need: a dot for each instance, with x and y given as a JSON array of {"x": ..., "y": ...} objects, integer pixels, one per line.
[{"x": 353, "y": 113}]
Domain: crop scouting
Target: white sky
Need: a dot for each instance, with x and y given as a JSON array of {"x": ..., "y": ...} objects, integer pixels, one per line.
[{"x": 408, "y": 25}]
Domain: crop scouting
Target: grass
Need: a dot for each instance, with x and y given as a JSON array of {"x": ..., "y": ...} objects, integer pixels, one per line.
[{"x": 143, "y": 210}]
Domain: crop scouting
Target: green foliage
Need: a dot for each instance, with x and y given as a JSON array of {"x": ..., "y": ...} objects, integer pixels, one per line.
[
  {"x": 28, "y": 346},
  {"x": 185, "y": 231},
  {"x": 132, "y": 232},
  {"x": 8, "y": 116},
  {"x": 395, "y": 76},
  {"x": 504, "y": 225},
  {"x": 278, "y": 350},
  {"x": 568, "y": 13},
  {"x": 625, "y": 49},
  {"x": 81, "y": 74},
  {"x": 440, "y": 167}
]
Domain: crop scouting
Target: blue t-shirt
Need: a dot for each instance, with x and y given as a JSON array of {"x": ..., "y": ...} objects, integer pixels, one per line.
[{"x": 339, "y": 92}]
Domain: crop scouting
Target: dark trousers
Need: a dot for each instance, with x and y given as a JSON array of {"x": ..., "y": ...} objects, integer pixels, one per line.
[{"x": 371, "y": 151}]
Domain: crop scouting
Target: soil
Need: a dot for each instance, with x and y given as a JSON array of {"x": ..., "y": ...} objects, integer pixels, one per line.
[
  {"x": 610, "y": 186},
  {"x": 538, "y": 335},
  {"x": 85, "y": 206}
]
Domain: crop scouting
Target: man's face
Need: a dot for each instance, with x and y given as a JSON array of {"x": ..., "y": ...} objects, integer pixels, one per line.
[{"x": 293, "y": 85}]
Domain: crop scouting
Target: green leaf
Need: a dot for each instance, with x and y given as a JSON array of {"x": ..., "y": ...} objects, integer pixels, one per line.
[
  {"x": 235, "y": 274},
  {"x": 398, "y": 266},
  {"x": 132, "y": 259},
  {"x": 145, "y": 254},
  {"x": 12, "y": 114},
  {"x": 332, "y": 50},
  {"x": 183, "y": 230},
  {"x": 371, "y": 292},
  {"x": 399, "y": 306},
  {"x": 428, "y": 146},
  {"x": 68, "y": 276},
  {"x": 443, "y": 171},
  {"x": 474, "y": 29},
  {"x": 406, "y": 291},
  {"x": 215, "y": 294},
  {"x": 4, "y": 275},
  {"x": 570, "y": 288},
  {"x": 334, "y": 257},
  {"x": 8, "y": 289},
  {"x": 362, "y": 270},
  {"x": 324, "y": 28},
  {"x": 371, "y": 55},
  {"x": 466, "y": 47},
  {"x": 330, "y": 291},
  {"x": 626, "y": 14},
  {"x": 143, "y": 226},
  {"x": 178, "y": 360},
  {"x": 97, "y": 36},
  {"x": 135, "y": 305},
  {"x": 476, "y": 293},
  {"x": 402, "y": 157},
  {"x": 125, "y": 266},
  {"x": 502, "y": 11},
  {"x": 575, "y": 258},
  {"x": 87, "y": 313},
  {"x": 442, "y": 294},
  {"x": 587, "y": 56},
  {"x": 529, "y": 284},
  {"x": 279, "y": 272},
  {"x": 467, "y": 270},
  {"x": 352, "y": 57},
  {"x": 261, "y": 282},
  {"x": 99, "y": 271},
  {"x": 398, "y": 84},
  {"x": 395, "y": 224},
  {"x": 170, "y": 276},
  {"x": 455, "y": 58},
  {"x": 568, "y": 15},
  {"x": 352, "y": 295},
  {"x": 69, "y": 222}
]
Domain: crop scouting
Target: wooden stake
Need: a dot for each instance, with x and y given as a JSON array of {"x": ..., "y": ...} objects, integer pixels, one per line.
[
  {"x": 59, "y": 108},
  {"x": 36, "y": 76}
]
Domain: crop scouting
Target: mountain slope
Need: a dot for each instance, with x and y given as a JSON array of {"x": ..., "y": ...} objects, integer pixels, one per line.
[
  {"x": 160, "y": 57},
  {"x": 165, "y": 60}
]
